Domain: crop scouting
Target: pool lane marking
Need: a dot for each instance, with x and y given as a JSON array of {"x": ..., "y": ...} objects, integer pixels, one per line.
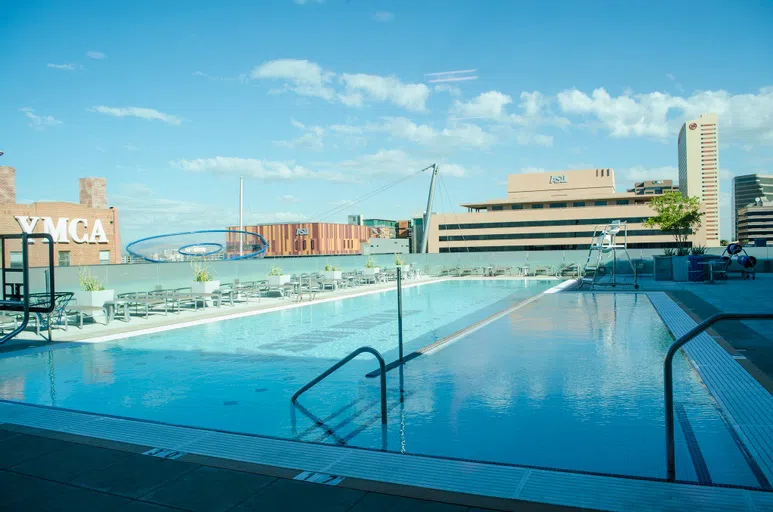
[
  {"x": 469, "y": 329},
  {"x": 698, "y": 461}
]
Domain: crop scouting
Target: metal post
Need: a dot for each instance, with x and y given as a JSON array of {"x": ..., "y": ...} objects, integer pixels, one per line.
[
  {"x": 241, "y": 215},
  {"x": 428, "y": 214},
  {"x": 400, "y": 312},
  {"x": 668, "y": 376}
]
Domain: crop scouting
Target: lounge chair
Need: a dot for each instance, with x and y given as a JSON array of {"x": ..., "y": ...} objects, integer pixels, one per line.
[{"x": 59, "y": 316}]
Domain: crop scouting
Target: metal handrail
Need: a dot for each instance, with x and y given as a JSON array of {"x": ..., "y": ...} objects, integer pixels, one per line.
[
  {"x": 342, "y": 362},
  {"x": 668, "y": 374}
]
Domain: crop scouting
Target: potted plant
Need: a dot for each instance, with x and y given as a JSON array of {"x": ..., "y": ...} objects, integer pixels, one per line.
[
  {"x": 276, "y": 277},
  {"x": 400, "y": 262},
  {"x": 680, "y": 216},
  {"x": 332, "y": 272},
  {"x": 370, "y": 267},
  {"x": 203, "y": 280},
  {"x": 92, "y": 293},
  {"x": 663, "y": 268}
]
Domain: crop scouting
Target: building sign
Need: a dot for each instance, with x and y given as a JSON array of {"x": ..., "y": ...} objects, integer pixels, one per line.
[
  {"x": 301, "y": 231},
  {"x": 64, "y": 229},
  {"x": 692, "y": 126},
  {"x": 560, "y": 178}
]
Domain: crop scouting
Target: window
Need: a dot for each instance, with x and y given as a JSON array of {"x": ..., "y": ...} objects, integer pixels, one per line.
[
  {"x": 600, "y": 203},
  {"x": 16, "y": 259},
  {"x": 304, "y": 245},
  {"x": 497, "y": 208},
  {"x": 537, "y": 206},
  {"x": 578, "y": 204},
  {"x": 312, "y": 245},
  {"x": 64, "y": 258},
  {"x": 104, "y": 257},
  {"x": 517, "y": 207},
  {"x": 557, "y": 205},
  {"x": 607, "y": 173},
  {"x": 621, "y": 202}
]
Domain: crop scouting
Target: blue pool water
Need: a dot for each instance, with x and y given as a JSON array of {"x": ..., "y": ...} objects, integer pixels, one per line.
[{"x": 570, "y": 381}]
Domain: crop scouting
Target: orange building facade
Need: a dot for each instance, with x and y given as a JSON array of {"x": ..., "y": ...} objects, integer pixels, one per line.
[{"x": 307, "y": 238}]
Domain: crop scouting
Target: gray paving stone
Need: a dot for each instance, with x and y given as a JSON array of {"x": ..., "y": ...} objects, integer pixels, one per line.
[
  {"x": 208, "y": 489},
  {"x": 143, "y": 506},
  {"x": 374, "y": 502},
  {"x": 134, "y": 476},
  {"x": 5, "y": 434},
  {"x": 297, "y": 496},
  {"x": 21, "y": 492},
  {"x": 70, "y": 462},
  {"x": 17, "y": 449}
]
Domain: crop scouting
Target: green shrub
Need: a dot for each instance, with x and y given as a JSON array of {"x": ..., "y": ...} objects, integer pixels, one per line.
[
  {"x": 370, "y": 263},
  {"x": 698, "y": 249},
  {"x": 399, "y": 260},
  {"x": 201, "y": 273},
  {"x": 682, "y": 251},
  {"x": 89, "y": 283},
  {"x": 668, "y": 251},
  {"x": 275, "y": 271},
  {"x": 330, "y": 268}
]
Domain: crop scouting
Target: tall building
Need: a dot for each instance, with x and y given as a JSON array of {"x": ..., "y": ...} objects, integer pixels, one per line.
[
  {"x": 746, "y": 189},
  {"x": 755, "y": 223},
  {"x": 552, "y": 211},
  {"x": 698, "y": 147}
]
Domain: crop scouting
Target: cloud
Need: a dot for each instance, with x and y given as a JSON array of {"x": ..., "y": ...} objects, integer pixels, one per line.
[
  {"x": 412, "y": 97},
  {"x": 396, "y": 162},
  {"x": 312, "y": 138},
  {"x": 241, "y": 78},
  {"x": 450, "y": 89},
  {"x": 288, "y": 198},
  {"x": 742, "y": 117},
  {"x": 131, "y": 147},
  {"x": 252, "y": 167},
  {"x": 142, "y": 113},
  {"x": 452, "y": 76},
  {"x": 488, "y": 105},
  {"x": 454, "y": 136},
  {"x": 96, "y": 55},
  {"x": 304, "y": 2},
  {"x": 39, "y": 122},
  {"x": 642, "y": 173},
  {"x": 383, "y": 16},
  {"x": 305, "y": 78},
  {"x": 62, "y": 67}
]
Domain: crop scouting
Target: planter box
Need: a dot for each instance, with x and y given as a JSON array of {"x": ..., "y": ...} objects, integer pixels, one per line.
[
  {"x": 371, "y": 271},
  {"x": 93, "y": 299},
  {"x": 333, "y": 274},
  {"x": 662, "y": 268},
  {"x": 680, "y": 268},
  {"x": 404, "y": 269},
  {"x": 278, "y": 280},
  {"x": 205, "y": 286}
]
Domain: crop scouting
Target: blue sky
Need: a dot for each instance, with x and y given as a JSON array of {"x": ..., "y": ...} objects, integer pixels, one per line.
[{"x": 318, "y": 103}]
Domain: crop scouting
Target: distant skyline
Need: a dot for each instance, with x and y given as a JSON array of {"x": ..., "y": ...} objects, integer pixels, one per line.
[{"x": 319, "y": 102}]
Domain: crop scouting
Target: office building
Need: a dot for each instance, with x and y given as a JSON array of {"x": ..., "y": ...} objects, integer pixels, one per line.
[
  {"x": 550, "y": 211},
  {"x": 755, "y": 223},
  {"x": 651, "y": 187},
  {"x": 307, "y": 238},
  {"x": 746, "y": 190},
  {"x": 84, "y": 233},
  {"x": 698, "y": 149}
]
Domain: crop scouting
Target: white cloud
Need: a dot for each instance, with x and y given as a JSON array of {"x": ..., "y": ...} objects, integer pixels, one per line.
[
  {"x": 131, "y": 147},
  {"x": 488, "y": 105},
  {"x": 62, "y": 67},
  {"x": 267, "y": 170},
  {"x": 383, "y": 16},
  {"x": 142, "y": 113},
  {"x": 642, "y": 173},
  {"x": 95, "y": 55},
  {"x": 306, "y": 78},
  {"x": 460, "y": 75},
  {"x": 747, "y": 117},
  {"x": 450, "y": 89},
  {"x": 411, "y": 97},
  {"x": 396, "y": 162},
  {"x": 39, "y": 122},
  {"x": 454, "y": 136},
  {"x": 529, "y": 170},
  {"x": 527, "y": 139},
  {"x": 288, "y": 198},
  {"x": 312, "y": 137}
]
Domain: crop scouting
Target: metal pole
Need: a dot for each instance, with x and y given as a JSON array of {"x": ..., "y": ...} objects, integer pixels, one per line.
[
  {"x": 668, "y": 376},
  {"x": 400, "y": 312},
  {"x": 428, "y": 214},
  {"x": 241, "y": 215}
]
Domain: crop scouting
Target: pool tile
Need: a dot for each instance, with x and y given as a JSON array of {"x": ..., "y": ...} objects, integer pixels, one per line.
[
  {"x": 17, "y": 449},
  {"x": 296, "y": 496},
  {"x": 69, "y": 462},
  {"x": 134, "y": 476},
  {"x": 374, "y": 502},
  {"x": 208, "y": 489}
]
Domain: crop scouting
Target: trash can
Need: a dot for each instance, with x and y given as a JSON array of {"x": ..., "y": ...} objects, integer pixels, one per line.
[{"x": 696, "y": 271}]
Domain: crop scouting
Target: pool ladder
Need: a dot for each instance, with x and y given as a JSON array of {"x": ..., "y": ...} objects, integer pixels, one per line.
[
  {"x": 668, "y": 376},
  {"x": 339, "y": 364}
]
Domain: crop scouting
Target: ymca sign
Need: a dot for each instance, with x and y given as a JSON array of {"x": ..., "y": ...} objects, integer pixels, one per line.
[{"x": 64, "y": 229}]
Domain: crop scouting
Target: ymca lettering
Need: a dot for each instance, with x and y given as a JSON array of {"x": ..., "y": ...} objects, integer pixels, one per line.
[{"x": 64, "y": 229}]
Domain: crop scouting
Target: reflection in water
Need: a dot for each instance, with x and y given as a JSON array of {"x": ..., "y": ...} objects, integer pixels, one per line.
[{"x": 13, "y": 389}]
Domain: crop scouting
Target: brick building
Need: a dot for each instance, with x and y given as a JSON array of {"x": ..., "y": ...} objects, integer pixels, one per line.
[
  {"x": 84, "y": 234},
  {"x": 307, "y": 238}
]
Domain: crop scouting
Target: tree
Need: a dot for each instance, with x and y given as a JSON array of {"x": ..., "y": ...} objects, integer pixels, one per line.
[{"x": 680, "y": 216}]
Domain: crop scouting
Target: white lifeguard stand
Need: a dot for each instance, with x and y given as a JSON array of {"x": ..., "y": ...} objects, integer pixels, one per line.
[{"x": 607, "y": 240}]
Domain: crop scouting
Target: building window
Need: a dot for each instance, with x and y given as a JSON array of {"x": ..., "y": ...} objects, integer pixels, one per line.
[
  {"x": 557, "y": 205},
  {"x": 578, "y": 204},
  {"x": 104, "y": 257},
  {"x": 600, "y": 203},
  {"x": 304, "y": 245},
  {"x": 64, "y": 258},
  {"x": 621, "y": 202},
  {"x": 16, "y": 259},
  {"x": 517, "y": 207},
  {"x": 312, "y": 245},
  {"x": 607, "y": 173},
  {"x": 538, "y": 205},
  {"x": 497, "y": 208}
]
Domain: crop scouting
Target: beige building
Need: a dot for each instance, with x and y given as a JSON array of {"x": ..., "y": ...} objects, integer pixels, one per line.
[
  {"x": 698, "y": 147},
  {"x": 84, "y": 234},
  {"x": 755, "y": 223},
  {"x": 551, "y": 211}
]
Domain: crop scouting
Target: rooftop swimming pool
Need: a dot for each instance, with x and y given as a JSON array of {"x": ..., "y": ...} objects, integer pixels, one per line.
[{"x": 571, "y": 381}]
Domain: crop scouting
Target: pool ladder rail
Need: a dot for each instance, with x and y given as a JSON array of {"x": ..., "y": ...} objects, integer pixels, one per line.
[{"x": 342, "y": 362}]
